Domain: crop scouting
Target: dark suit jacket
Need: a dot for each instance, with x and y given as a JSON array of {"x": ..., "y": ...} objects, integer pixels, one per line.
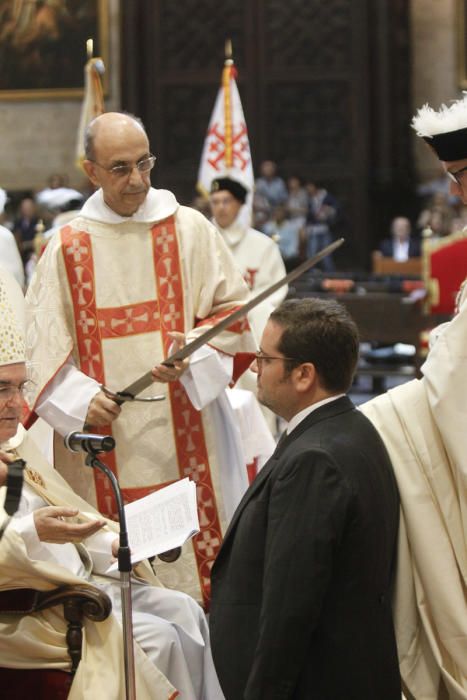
[
  {"x": 387, "y": 247},
  {"x": 301, "y": 588}
]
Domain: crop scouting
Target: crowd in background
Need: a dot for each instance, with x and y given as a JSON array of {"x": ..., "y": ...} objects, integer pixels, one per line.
[
  {"x": 298, "y": 213},
  {"x": 303, "y": 217},
  {"x": 32, "y": 219}
]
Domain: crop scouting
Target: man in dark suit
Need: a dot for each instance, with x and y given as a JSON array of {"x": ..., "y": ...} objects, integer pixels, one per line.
[
  {"x": 402, "y": 245},
  {"x": 301, "y": 588}
]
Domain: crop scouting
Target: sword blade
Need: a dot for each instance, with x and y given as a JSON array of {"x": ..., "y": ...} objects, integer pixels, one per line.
[{"x": 146, "y": 379}]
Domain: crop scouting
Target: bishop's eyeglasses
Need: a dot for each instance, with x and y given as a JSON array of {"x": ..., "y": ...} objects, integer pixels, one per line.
[
  {"x": 125, "y": 169},
  {"x": 8, "y": 391}
]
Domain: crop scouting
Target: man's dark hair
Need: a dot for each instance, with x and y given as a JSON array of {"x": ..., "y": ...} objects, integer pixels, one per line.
[
  {"x": 90, "y": 133},
  {"x": 320, "y": 331}
]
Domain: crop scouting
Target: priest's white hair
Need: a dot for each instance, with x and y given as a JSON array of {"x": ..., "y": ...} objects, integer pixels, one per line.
[{"x": 428, "y": 122}]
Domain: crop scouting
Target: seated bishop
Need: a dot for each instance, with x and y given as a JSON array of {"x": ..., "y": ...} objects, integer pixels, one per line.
[{"x": 54, "y": 538}]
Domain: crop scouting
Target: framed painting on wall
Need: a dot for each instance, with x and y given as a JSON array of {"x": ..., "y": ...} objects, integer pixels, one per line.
[{"x": 43, "y": 46}]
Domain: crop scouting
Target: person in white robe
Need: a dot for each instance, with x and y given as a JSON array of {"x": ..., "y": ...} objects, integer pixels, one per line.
[
  {"x": 423, "y": 424},
  {"x": 56, "y": 537},
  {"x": 10, "y": 257},
  {"x": 116, "y": 288},
  {"x": 257, "y": 257}
]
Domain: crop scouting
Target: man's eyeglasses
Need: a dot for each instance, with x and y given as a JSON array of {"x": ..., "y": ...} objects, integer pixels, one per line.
[
  {"x": 260, "y": 357},
  {"x": 458, "y": 176},
  {"x": 125, "y": 170},
  {"x": 8, "y": 392}
]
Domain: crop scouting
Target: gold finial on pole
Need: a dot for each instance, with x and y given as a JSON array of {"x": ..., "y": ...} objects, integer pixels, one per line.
[
  {"x": 90, "y": 48},
  {"x": 228, "y": 52}
]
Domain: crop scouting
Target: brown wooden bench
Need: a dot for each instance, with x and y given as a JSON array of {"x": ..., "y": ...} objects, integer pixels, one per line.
[{"x": 382, "y": 265}]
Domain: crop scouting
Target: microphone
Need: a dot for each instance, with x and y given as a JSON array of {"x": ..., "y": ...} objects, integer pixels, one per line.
[{"x": 89, "y": 442}]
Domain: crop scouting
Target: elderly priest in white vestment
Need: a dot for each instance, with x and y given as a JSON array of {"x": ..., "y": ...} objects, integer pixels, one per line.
[
  {"x": 108, "y": 293},
  {"x": 51, "y": 541}
]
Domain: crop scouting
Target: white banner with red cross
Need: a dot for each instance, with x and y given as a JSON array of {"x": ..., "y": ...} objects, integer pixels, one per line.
[{"x": 226, "y": 151}]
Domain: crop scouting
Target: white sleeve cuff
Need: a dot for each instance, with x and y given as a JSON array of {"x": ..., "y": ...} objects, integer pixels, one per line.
[
  {"x": 65, "y": 401},
  {"x": 208, "y": 374},
  {"x": 99, "y": 547},
  {"x": 26, "y": 527}
]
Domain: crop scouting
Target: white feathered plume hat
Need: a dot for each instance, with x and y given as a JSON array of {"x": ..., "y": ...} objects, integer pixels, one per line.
[{"x": 444, "y": 130}]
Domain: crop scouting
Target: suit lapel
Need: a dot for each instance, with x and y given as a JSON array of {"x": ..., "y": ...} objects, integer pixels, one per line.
[{"x": 329, "y": 410}]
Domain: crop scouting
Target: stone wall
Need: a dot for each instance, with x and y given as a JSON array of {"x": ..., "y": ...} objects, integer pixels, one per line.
[
  {"x": 434, "y": 67},
  {"x": 38, "y": 137}
]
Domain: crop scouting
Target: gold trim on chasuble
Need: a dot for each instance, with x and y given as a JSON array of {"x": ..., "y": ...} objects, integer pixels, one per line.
[
  {"x": 165, "y": 315},
  {"x": 34, "y": 477}
]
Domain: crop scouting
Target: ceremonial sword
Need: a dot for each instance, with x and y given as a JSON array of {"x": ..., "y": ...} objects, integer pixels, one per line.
[{"x": 131, "y": 391}]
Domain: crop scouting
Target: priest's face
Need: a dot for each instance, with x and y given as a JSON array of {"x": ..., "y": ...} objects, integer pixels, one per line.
[
  {"x": 457, "y": 171},
  {"x": 12, "y": 379},
  {"x": 117, "y": 144},
  {"x": 224, "y": 207}
]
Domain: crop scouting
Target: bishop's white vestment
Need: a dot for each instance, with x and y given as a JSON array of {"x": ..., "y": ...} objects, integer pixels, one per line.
[
  {"x": 106, "y": 293},
  {"x": 173, "y": 651}
]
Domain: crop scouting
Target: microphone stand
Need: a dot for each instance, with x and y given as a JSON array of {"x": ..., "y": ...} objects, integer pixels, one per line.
[{"x": 124, "y": 566}]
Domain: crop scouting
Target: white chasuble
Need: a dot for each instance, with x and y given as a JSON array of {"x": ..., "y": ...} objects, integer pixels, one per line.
[{"x": 105, "y": 297}]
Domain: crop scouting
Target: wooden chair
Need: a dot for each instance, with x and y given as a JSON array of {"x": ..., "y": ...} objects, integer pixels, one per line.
[
  {"x": 78, "y": 602},
  {"x": 382, "y": 265}
]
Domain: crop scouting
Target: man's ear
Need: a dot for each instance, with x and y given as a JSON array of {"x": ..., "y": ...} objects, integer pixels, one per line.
[
  {"x": 90, "y": 169},
  {"x": 305, "y": 377}
]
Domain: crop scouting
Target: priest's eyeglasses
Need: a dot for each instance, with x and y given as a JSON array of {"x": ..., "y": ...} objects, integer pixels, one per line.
[
  {"x": 260, "y": 357},
  {"x": 8, "y": 392},
  {"x": 125, "y": 169},
  {"x": 458, "y": 176}
]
